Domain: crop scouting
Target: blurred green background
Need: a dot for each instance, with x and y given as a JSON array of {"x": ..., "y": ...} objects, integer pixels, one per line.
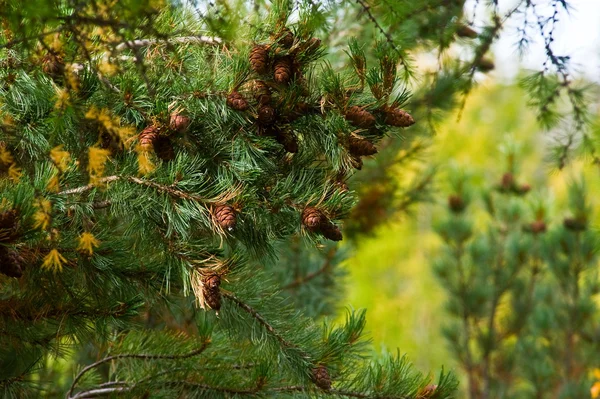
[{"x": 390, "y": 272}]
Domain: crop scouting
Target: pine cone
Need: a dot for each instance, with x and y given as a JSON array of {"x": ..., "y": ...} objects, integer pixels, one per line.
[
  {"x": 574, "y": 224},
  {"x": 285, "y": 38},
  {"x": 148, "y": 137},
  {"x": 356, "y": 162},
  {"x": 226, "y": 217},
  {"x": 466, "y": 31},
  {"x": 397, "y": 117},
  {"x": 485, "y": 65},
  {"x": 164, "y": 148},
  {"x": 321, "y": 378},
  {"x": 312, "y": 45},
  {"x": 259, "y": 58},
  {"x": 9, "y": 225},
  {"x": 331, "y": 231},
  {"x": 312, "y": 218},
  {"x": 456, "y": 203},
  {"x": 539, "y": 226},
  {"x": 360, "y": 117},
  {"x": 266, "y": 115},
  {"x": 11, "y": 262},
  {"x": 288, "y": 140},
  {"x": 360, "y": 147},
  {"x": 53, "y": 66},
  {"x": 283, "y": 70},
  {"x": 179, "y": 123},
  {"x": 210, "y": 289},
  {"x": 262, "y": 92},
  {"x": 236, "y": 101},
  {"x": 508, "y": 181}
]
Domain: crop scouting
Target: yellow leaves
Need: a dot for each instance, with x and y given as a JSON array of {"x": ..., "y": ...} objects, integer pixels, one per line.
[
  {"x": 53, "y": 184},
  {"x": 60, "y": 158},
  {"x": 42, "y": 216},
  {"x": 87, "y": 243},
  {"x": 96, "y": 159},
  {"x": 14, "y": 172},
  {"x": 145, "y": 164},
  {"x": 107, "y": 68},
  {"x": 54, "y": 261},
  {"x": 111, "y": 124},
  {"x": 6, "y": 159},
  {"x": 595, "y": 389},
  {"x": 5, "y": 156},
  {"x": 63, "y": 100}
]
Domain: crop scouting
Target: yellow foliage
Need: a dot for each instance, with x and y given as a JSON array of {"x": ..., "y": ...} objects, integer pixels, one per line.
[
  {"x": 14, "y": 172},
  {"x": 53, "y": 184},
  {"x": 145, "y": 164},
  {"x": 60, "y": 158},
  {"x": 111, "y": 123},
  {"x": 87, "y": 243},
  {"x": 106, "y": 68},
  {"x": 5, "y": 156},
  {"x": 42, "y": 215},
  {"x": 54, "y": 261},
  {"x": 62, "y": 98},
  {"x": 595, "y": 390},
  {"x": 96, "y": 159}
]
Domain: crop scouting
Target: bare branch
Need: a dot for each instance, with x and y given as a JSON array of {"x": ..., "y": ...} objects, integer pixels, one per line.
[{"x": 132, "y": 44}]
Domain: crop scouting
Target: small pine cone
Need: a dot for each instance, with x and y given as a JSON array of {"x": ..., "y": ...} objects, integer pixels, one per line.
[
  {"x": 508, "y": 181},
  {"x": 283, "y": 70},
  {"x": 539, "y": 226},
  {"x": 312, "y": 218},
  {"x": 523, "y": 189},
  {"x": 179, "y": 123},
  {"x": 266, "y": 115},
  {"x": 397, "y": 117},
  {"x": 261, "y": 92},
  {"x": 331, "y": 231},
  {"x": 574, "y": 224},
  {"x": 360, "y": 147},
  {"x": 148, "y": 137},
  {"x": 456, "y": 203},
  {"x": 356, "y": 162},
  {"x": 210, "y": 289},
  {"x": 320, "y": 376},
  {"x": 259, "y": 58},
  {"x": 466, "y": 32},
  {"x": 53, "y": 66},
  {"x": 312, "y": 45},
  {"x": 289, "y": 141},
  {"x": 236, "y": 101},
  {"x": 485, "y": 65},
  {"x": 360, "y": 117},
  {"x": 11, "y": 262},
  {"x": 285, "y": 38},
  {"x": 9, "y": 225},
  {"x": 226, "y": 217},
  {"x": 164, "y": 148}
]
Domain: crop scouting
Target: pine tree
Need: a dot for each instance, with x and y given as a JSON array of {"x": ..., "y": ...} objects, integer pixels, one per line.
[{"x": 152, "y": 190}]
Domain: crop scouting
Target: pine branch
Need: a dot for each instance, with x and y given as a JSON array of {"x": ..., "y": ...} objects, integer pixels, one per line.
[
  {"x": 303, "y": 280},
  {"x": 195, "y": 352},
  {"x": 133, "y": 44}
]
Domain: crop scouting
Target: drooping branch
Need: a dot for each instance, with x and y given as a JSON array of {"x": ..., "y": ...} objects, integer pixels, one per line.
[{"x": 193, "y": 353}]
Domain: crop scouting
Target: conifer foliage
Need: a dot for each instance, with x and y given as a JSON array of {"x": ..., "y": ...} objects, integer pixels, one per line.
[{"x": 151, "y": 166}]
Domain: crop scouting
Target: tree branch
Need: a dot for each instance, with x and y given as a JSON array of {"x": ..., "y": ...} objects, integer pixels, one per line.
[
  {"x": 303, "y": 280},
  {"x": 132, "y": 44},
  {"x": 135, "y": 356}
]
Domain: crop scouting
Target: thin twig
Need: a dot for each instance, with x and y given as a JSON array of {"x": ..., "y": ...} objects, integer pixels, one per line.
[
  {"x": 303, "y": 280},
  {"x": 215, "y": 41}
]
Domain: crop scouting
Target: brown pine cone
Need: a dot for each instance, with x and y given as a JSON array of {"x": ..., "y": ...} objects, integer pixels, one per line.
[
  {"x": 236, "y": 101},
  {"x": 11, "y": 262},
  {"x": 179, "y": 123},
  {"x": 312, "y": 218},
  {"x": 466, "y": 31},
  {"x": 321, "y": 378},
  {"x": 312, "y": 45},
  {"x": 282, "y": 70},
  {"x": 259, "y": 58},
  {"x": 539, "y": 226},
  {"x": 331, "y": 231},
  {"x": 210, "y": 289},
  {"x": 360, "y": 147},
  {"x": 53, "y": 66},
  {"x": 456, "y": 203},
  {"x": 289, "y": 141},
  {"x": 285, "y": 38},
  {"x": 261, "y": 92},
  {"x": 164, "y": 148},
  {"x": 226, "y": 217},
  {"x": 266, "y": 115},
  {"x": 485, "y": 65},
  {"x": 148, "y": 137},
  {"x": 508, "y": 181},
  {"x": 359, "y": 117},
  {"x": 574, "y": 224},
  {"x": 397, "y": 117},
  {"x": 9, "y": 225}
]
